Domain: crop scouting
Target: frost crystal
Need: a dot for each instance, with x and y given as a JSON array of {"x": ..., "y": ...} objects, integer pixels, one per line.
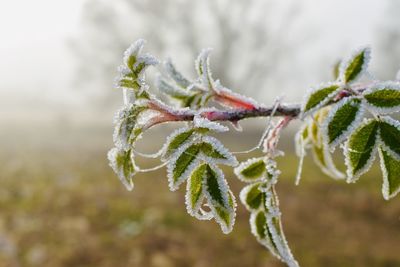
[
  {"x": 176, "y": 75},
  {"x": 227, "y": 157},
  {"x": 356, "y": 69},
  {"x": 348, "y": 128},
  {"x": 200, "y": 122},
  {"x": 122, "y": 162}
]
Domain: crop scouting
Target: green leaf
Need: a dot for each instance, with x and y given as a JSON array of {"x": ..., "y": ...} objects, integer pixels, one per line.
[
  {"x": 220, "y": 199},
  {"x": 320, "y": 97},
  {"x": 356, "y": 65},
  {"x": 126, "y": 130},
  {"x": 251, "y": 170},
  {"x": 180, "y": 167},
  {"x": 343, "y": 118},
  {"x": 203, "y": 69},
  {"x": 391, "y": 174},
  {"x": 122, "y": 163},
  {"x": 176, "y": 139},
  {"x": 390, "y": 134},
  {"x": 360, "y": 149},
  {"x": 252, "y": 197},
  {"x": 215, "y": 152},
  {"x": 385, "y": 98},
  {"x": 213, "y": 187},
  {"x": 260, "y": 223},
  {"x": 194, "y": 194}
]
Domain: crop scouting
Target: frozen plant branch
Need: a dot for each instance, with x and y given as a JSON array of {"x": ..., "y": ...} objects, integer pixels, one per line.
[{"x": 352, "y": 112}]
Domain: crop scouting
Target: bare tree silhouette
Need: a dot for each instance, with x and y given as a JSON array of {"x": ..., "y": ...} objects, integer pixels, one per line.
[{"x": 250, "y": 39}]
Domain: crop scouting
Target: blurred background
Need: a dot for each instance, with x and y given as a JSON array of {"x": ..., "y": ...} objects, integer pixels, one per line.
[{"x": 60, "y": 203}]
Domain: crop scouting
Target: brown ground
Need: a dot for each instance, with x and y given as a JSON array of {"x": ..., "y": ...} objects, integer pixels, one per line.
[{"x": 61, "y": 205}]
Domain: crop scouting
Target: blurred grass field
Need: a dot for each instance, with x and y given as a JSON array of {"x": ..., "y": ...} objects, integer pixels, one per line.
[{"x": 61, "y": 205}]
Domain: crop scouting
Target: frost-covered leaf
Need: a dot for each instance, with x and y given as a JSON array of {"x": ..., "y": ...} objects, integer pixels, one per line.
[
  {"x": 131, "y": 73},
  {"x": 175, "y": 140},
  {"x": 352, "y": 69},
  {"x": 195, "y": 189},
  {"x": 258, "y": 225},
  {"x": 171, "y": 90},
  {"x": 323, "y": 159},
  {"x": 179, "y": 79},
  {"x": 135, "y": 61},
  {"x": 122, "y": 163},
  {"x": 384, "y": 98},
  {"x": 131, "y": 54},
  {"x": 252, "y": 170},
  {"x": 220, "y": 200},
  {"x": 215, "y": 152},
  {"x": 251, "y": 197},
  {"x": 316, "y": 124},
  {"x": 342, "y": 120},
  {"x": 319, "y": 97},
  {"x": 391, "y": 174},
  {"x": 200, "y": 122},
  {"x": 126, "y": 129},
  {"x": 203, "y": 69},
  {"x": 182, "y": 163},
  {"x": 390, "y": 134},
  {"x": 274, "y": 226},
  {"x": 360, "y": 149},
  {"x": 302, "y": 139}
]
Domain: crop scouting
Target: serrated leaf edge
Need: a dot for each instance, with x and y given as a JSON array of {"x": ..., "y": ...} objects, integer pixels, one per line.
[
  {"x": 345, "y": 64},
  {"x": 244, "y": 165},
  {"x": 350, "y": 128},
  {"x": 353, "y": 178},
  {"x": 313, "y": 90},
  {"x": 377, "y": 87},
  {"x": 385, "y": 183}
]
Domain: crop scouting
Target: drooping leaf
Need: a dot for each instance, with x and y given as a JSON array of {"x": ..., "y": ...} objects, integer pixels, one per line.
[
  {"x": 195, "y": 189},
  {"x": 356, "y": 65},
  {"x": 302, "y": 139},
  {"x": 252, "y": 170},
  {"x": 342, "y": 120},
  {"x": 126, "y": 129},
  {"x": 319, "y": 97},
  {"x": 360, "y": 149},
  {"x": 391, "y": 174},
  {"x": 390, "y": 134},
  {"x": 122, "y": 163},
  {"x": 258, "y": 226},
  {"x": 220, "y": 200},
  {"x": 324, "y": 160}
]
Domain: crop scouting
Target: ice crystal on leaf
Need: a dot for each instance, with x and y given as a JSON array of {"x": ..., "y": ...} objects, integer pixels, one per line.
[{"x": 355, "y": 66}]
